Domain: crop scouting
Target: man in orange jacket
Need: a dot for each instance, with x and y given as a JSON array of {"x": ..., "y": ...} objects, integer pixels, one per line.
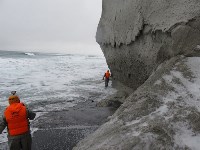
[
  {"x": 106, "y": 77},
  {"x": 16, "y": 119}
]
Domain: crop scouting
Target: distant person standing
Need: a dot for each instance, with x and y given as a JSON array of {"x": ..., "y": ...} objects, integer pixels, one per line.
[
  {"x": 106, "y": 77},
  {"x": 16, "y": 119}
]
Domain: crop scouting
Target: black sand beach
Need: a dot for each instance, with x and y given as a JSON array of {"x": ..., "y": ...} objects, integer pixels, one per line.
[{"x": 62, "y": 130}]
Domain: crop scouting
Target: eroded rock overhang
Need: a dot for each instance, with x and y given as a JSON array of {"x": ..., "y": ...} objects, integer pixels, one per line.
[{"x": 137, "y": 35}]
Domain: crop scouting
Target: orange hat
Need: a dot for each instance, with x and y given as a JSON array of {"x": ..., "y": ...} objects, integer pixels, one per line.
[{"x": 13, "y": 99}]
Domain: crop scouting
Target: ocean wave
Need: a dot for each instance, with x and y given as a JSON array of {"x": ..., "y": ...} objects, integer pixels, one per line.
[{"x": 30, "y": 54}]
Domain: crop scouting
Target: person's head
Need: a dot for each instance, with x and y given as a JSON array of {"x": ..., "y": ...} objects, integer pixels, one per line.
[
  {"x": 107, "y": 70},
  {"x": 13, "y": 99}
]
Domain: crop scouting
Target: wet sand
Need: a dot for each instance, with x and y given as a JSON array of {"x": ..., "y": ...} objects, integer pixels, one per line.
[{"x": 62, "y": 130}]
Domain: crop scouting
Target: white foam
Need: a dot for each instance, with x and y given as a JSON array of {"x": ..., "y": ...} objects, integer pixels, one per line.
[
  {"x": 3, "y": 137},
  {"x": 52, "y": 78},
  {"x": 30, "y": 54},
  {"x": 52, "y": 83}
]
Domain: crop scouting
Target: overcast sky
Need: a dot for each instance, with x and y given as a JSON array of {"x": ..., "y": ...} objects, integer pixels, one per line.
[{"x": 49, "y": 25}]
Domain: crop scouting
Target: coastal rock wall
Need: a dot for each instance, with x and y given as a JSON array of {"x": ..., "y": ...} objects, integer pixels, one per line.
[
  {"x": 162, "y": 114},
  {"x": 151, "y": 46},
  {"x": 137, "y": 35}
]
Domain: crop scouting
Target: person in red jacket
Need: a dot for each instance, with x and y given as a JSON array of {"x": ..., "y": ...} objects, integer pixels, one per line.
[
  {"x": 106, "y": 77},
  {"x": 16, "y": 119}
]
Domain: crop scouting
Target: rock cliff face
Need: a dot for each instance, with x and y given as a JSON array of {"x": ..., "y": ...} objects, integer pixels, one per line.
[
  {"x": 151, "y": 46},
  {"x": 162, "y": 114},
  {"x": 137, "y": 35}
]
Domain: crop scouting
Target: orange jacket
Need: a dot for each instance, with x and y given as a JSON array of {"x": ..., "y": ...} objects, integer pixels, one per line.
[
  {"x": 16, "y": 118},
  {"x": 107, "y": 75}
]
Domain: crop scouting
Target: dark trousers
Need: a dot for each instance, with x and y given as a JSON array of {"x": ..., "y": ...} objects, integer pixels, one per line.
[
  {"x": 106, "y": 82},
  {"x": 22, "y": 143}
]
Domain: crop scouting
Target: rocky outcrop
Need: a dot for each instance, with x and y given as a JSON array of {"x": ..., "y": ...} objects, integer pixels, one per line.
[
  {"x": 115, "y": 100},
  {"x": 163, "y": 113},
  {"x": 151, "y": 46},
  {"x": 137, "y": 35}
]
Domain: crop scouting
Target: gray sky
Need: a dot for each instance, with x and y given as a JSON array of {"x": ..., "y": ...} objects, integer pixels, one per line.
[{"x": 49, "y": 25}]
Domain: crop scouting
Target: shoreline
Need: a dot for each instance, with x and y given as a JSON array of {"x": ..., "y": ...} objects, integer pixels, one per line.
[{"x": 64, "y": 129}]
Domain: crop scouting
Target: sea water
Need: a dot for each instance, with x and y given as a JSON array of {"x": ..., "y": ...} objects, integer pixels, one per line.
[{"x": 51, "y": 82}]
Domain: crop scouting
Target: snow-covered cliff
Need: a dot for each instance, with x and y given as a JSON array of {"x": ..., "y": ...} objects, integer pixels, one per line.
[
  {"x": 137, "y": 35},
  {"x": 163, "y": 113},
  {"x": 151, "y": 46}
]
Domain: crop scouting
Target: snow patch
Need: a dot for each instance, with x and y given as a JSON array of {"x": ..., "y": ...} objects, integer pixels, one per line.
[
  {"x": 132, "y": 122},
  {"x": 167, "y": 78},
  {"x": 186, "y": 137},
  {"x": 158, "y": 82}
]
